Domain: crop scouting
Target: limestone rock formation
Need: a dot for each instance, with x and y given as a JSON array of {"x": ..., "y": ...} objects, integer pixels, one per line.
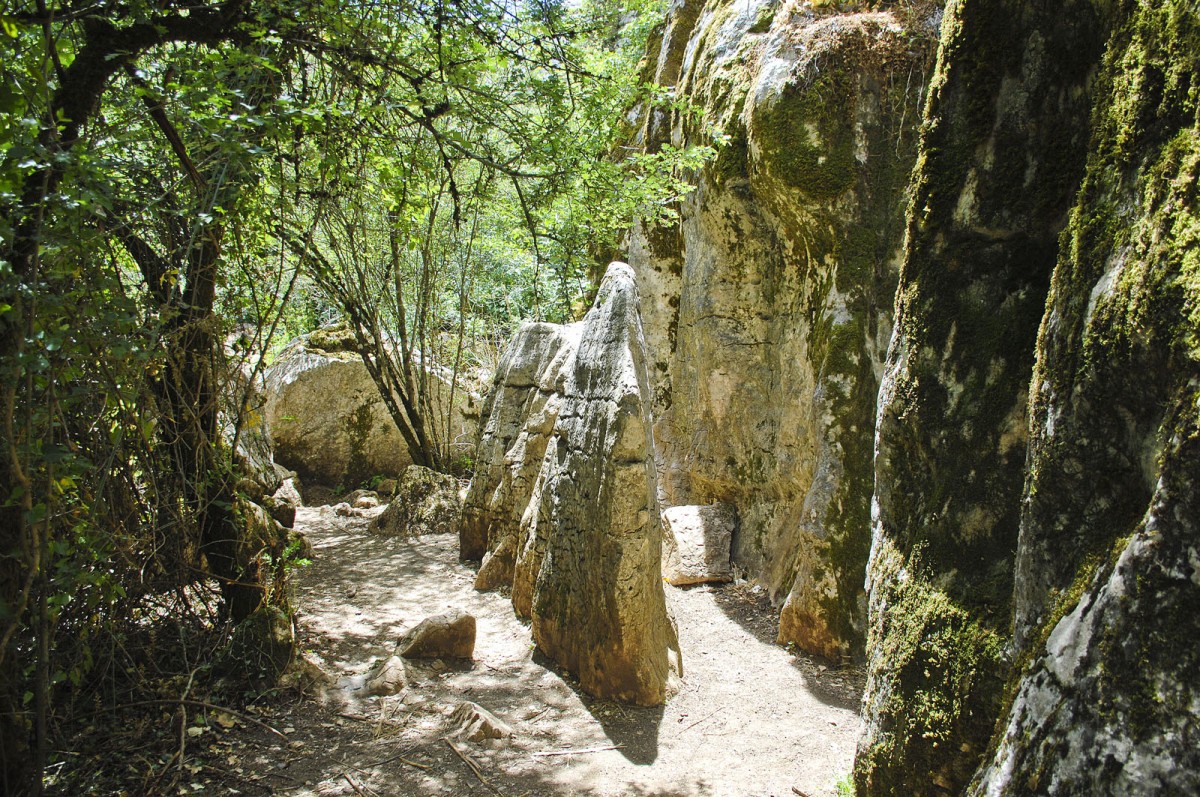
[
  {"x": 426, "y": 502},
  {"x": 696, "y": 543},
  {"x": 328, "y": 421},
  {"x": 444, "y": 636},
  {"x": 565, "y": 498},
  {"x": 992, "y": 192},
  {"x": 768, "y": 309},
  {"x": 1107, "y": 582},
  {"x": 519, "y": 415}
]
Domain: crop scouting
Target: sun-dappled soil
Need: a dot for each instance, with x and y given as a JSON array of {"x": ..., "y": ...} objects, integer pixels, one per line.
[{"x": 750, "y": 718}]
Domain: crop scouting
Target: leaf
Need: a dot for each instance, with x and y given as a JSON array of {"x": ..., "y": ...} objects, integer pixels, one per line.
[{"x": 9, "y": 25}]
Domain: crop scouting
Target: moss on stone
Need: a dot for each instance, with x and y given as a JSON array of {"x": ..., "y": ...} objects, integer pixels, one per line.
[
  {"x": 333, "y": 339},
  {"x": 947, "y": 671}
]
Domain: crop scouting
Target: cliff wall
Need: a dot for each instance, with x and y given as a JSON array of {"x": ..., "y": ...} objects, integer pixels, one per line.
[{"x": 768, "y": 307}]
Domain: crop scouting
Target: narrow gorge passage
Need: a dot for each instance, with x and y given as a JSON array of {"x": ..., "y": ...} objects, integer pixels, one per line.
[{"x": 750, "y": 718}]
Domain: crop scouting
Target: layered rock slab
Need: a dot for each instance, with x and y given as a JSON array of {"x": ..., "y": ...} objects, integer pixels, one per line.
[
  {"x": 519, "y": 414},
  {"x": 586, "y": 553},
  {"x": 697, "y": 541}
]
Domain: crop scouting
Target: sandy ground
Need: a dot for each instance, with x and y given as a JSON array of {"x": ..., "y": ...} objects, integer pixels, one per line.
[{"x": 750, "y": 718}]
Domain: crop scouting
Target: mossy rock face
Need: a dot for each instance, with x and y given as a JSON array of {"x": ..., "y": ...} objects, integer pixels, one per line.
[
  {"x": 768, "y": 308},
  {"x": 1108, "y": 576},
  {"x": 1002, "y": 154}
]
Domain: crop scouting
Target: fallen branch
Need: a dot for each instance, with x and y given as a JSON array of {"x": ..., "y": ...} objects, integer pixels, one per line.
[
  {"x": 702, "y": 719},
  {"x": 470, "y": 764},
  {"x": 353, "y": 785},
  {"x": 547, "y": 753}
]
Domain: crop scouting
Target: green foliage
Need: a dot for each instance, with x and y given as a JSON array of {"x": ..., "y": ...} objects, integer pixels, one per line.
[{"x": 184, "y": 189}]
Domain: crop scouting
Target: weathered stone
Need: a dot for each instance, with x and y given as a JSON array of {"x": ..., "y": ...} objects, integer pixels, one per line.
[
  {"x": 289, "y": 493},
  {"x": 519, "y": 414},
  {"x": 768, "y": 307},
  {"x": 259, "y": 531},
  {"x": 1002, "y": 155},
  {"x": 283, "y": 512},
  {"x": 598, "y": 604},
  {"x": 300, "y": 545},
  {"x": 366, "y": 502},
  {"x": 307, "y": 676},
  {"x": 386, "y": 488},
  {"x": 329, "y": 422},
  {"x": 450, "y": 636},
  {"x": 475, "y": 723},
  {"x": 345, "y": 510},
  {"x": 262, "y": 646},
  {"x": 696, "y": 543},
  {"x": 1107, "y": 582},
  {"x": 426, "y": 502},
  {"x": 563, "y": 501},
  {"x": 388, "y": 677}
]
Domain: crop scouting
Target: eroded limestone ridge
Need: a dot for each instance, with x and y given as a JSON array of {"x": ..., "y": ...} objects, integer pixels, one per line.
[{"x": 563, "y": 506}]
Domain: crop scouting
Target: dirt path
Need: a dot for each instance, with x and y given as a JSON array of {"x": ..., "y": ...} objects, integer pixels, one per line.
[{"x": 751, "y": 718}]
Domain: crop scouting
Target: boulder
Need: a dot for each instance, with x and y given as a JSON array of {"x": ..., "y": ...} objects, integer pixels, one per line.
[
  {"x": 696, "y": 543},
  {"x": 283, "y": 512},
  {"x": 426, "y": 502},
  {"x": 345, "y": 510},
  {"x": 308, "y": 677},
  {"x": 259, "y": 531},
  {"x": 475, "y": 723},
  {"x": 262, "y": 646},
  {"x": 300, "y": 545},
  {"x": 443, "y": 636},
  {"x": 289, "y": 493},
  {"x": 329, "y": 422},
  {"x": 388, "y": 677}
]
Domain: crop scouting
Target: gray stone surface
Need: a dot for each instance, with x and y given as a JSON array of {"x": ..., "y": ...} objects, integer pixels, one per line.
[{"x": 696, "y": 543}]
